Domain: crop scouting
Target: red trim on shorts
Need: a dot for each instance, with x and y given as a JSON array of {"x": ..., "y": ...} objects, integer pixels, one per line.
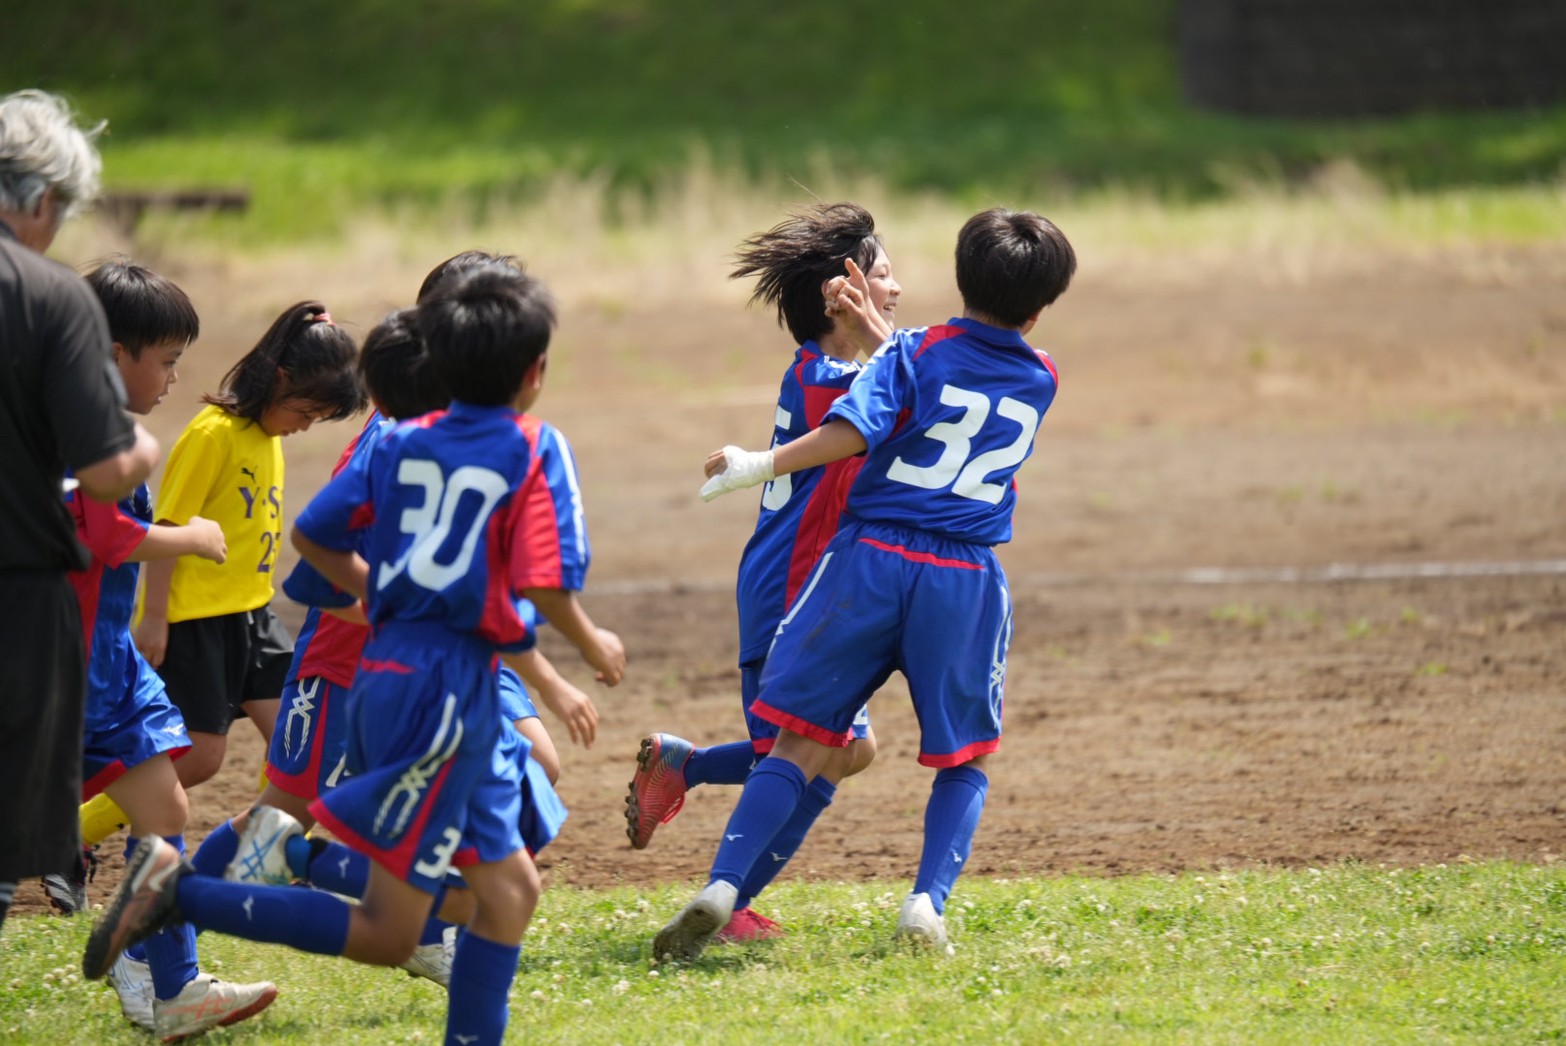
[
  {"x": 795, "y": 725},
  {"x": 959, "y": 757},
  {"x": 399, "y": 859},
  {"x": 921, "y": 557},
  {"x": 371, "y": 665},
  {"x": 763, "y": 745},
  {"x": 91, "y": 786}
]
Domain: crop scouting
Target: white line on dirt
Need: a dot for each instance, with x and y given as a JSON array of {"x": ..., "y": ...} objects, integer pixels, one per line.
[{"x": 1194, "y": 576}]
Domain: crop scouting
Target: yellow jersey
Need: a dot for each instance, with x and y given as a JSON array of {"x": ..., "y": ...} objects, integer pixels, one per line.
[{"x": 227, "y": 469}]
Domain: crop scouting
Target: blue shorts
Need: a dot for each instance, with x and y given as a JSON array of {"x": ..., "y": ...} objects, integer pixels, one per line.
[
  {"x": 426, "y": 786},
  {"x": 887, "y": 598},
  {"x": 514, "y": 700},
  {"x": 308, "y": 753},
  {"x": 763, "y": 735},
  {"x": 126, "y": 729}
]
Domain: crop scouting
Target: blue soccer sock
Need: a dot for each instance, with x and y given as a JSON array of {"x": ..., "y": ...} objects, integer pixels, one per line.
[
  {"x": 434, "y": 930},
  {"x": 720, "y": 764},
  {"x": 310, "y": 920},
  {"x": 481, "y": 976},
  {"x": 329, "y": 866},
  {"x": 216, "y": 850},
  {"x": 343, "y": 870},
  {"x": 171, "y": 952},
  {"x": 771, "y": 793},
  {"x": 950, "y": 819},
  {"x": 817, "y": 797}
]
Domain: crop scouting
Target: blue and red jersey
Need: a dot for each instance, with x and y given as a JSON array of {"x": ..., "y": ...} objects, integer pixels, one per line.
[
  {"x": 106, "y": 590},
  {"x": 949, "y": 413},
  {"x": 799, "y": 512},
  {"x": 329, "y": 647},
  {"x": 456, "y": 514}
]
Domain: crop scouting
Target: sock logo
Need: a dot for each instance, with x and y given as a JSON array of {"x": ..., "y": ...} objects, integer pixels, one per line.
[
  {"x": 464, "y": 1039},
  {"x": 956, "y": 857},
  {"x": 342, "y": 866},
  {"x": 249, "y": 907},
  {"x": 780, "y": 858},
  {"x": 731, "y": 838}
]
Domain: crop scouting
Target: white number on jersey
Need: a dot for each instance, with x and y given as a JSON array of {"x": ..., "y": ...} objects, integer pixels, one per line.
[
  {"x": 954, "y": 468},
  {"x": 431, "y": 521},
  {"x": 777, "y": 492}
]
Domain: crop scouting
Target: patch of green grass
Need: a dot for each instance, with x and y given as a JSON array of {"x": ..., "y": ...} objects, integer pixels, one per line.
[
  {"x": 1342, "y": 954},
  {"x": 317, "y": 108}
]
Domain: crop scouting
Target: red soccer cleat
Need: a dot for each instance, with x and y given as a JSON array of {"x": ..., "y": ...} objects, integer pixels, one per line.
[
  {"x": 657, "y": 791},
  {"x": 747, "y": 924}
]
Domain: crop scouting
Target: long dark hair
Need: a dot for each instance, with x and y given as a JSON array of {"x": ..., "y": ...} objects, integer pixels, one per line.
[
  {"x": 303, "y": 356},
  {"x": 793, "y": 258}
]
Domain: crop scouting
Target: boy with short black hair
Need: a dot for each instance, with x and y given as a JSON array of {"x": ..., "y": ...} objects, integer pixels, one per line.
[
  {"x": 452, "y": 504},
  {"x": 133, "y": 732},
  {"x": 944, "y": 416}
]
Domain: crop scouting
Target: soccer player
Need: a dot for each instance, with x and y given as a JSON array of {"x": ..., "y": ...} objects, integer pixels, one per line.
[
  {"x": 944, "y": 416},
  {"x": 461, "y": 527},
  {"x": 133, "y": 733},
  {"x": 209, "y": 628},
  {"x": 802, "y": 265}
]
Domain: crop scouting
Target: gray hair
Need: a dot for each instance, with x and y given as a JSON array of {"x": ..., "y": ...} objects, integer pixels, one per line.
[{"x": 40, "y": 147}]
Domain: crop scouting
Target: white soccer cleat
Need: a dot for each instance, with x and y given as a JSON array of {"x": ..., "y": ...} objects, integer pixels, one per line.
[
  {"x": 207, "y": 1002},
  {"x": 689, "y": 933},
  {"x": 262, "y": 857},
  {"x": 432, "y": 961},
  {"x": 921, "y": 924},
  {"x": 132, "y": 980}
]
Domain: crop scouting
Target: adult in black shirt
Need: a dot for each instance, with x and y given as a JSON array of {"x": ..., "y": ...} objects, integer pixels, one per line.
[{"x": 61, "y": 405}]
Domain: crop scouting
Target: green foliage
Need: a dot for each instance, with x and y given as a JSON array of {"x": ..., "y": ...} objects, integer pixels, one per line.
[
  {"x": 371, "y": 100},
  {"x": 1342, "y": 954}
]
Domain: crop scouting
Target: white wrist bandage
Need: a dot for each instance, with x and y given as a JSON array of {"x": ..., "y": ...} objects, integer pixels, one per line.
[{"x": 746, "y": 468}]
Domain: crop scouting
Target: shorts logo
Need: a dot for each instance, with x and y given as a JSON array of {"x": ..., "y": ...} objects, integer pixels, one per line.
[
  {"x": 404, "y": 798},
  {"x": 299, "y": 711}
]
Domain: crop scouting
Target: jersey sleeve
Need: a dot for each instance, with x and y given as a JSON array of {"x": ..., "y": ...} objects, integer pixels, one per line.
[
  {"x": 821, "y": 384},
  {"x": 110, "y": 533},
  {"x": 342, "y": 509},
  {"x": 878, "y": 399},
  {"x": 306, "y": 585},
  {"x": 82, "y": 394},
  {"x": 549, "y": 528},
  {"x": 193, "y": 468}
]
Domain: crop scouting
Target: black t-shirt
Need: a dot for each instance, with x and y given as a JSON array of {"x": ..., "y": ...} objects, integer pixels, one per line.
[{"x": 61, "y": 404}]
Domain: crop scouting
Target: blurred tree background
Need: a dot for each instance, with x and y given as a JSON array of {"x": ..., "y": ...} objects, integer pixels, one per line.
[{"x": 360, "y": 101}]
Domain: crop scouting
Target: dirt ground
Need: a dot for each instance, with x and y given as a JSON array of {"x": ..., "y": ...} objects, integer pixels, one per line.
[{"x": 1327, "y": 691}]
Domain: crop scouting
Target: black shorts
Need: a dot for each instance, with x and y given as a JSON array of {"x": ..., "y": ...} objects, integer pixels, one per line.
[
  {"x": 213, "y": 665},
  {"x": 41, "y": 708}
]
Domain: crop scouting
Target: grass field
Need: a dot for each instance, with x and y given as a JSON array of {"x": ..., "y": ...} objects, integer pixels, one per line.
[
  {"x": 322, "y": 111},
  {"x": 1342, "y": 954}
]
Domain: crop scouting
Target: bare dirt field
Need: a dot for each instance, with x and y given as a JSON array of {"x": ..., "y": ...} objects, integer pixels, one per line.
[{"x": 1323, "y": 438}]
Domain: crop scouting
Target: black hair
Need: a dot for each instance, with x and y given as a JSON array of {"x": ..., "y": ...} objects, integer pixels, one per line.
[
  {"x": 1010, "y": 264},
  {"x": 457, "y": 264},
  {"x": 316, "y": 360},
  {"x": 484, "y": 328},
  {"x": 793, "y": 258},
  {"x": 397, "y": 371},
  {"x": 143, "y": 308}
]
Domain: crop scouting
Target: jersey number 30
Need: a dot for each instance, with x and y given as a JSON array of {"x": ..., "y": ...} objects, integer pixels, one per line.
[
  {"x": 432, "y": 521},
  {"x": 957, "y": 466}
]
